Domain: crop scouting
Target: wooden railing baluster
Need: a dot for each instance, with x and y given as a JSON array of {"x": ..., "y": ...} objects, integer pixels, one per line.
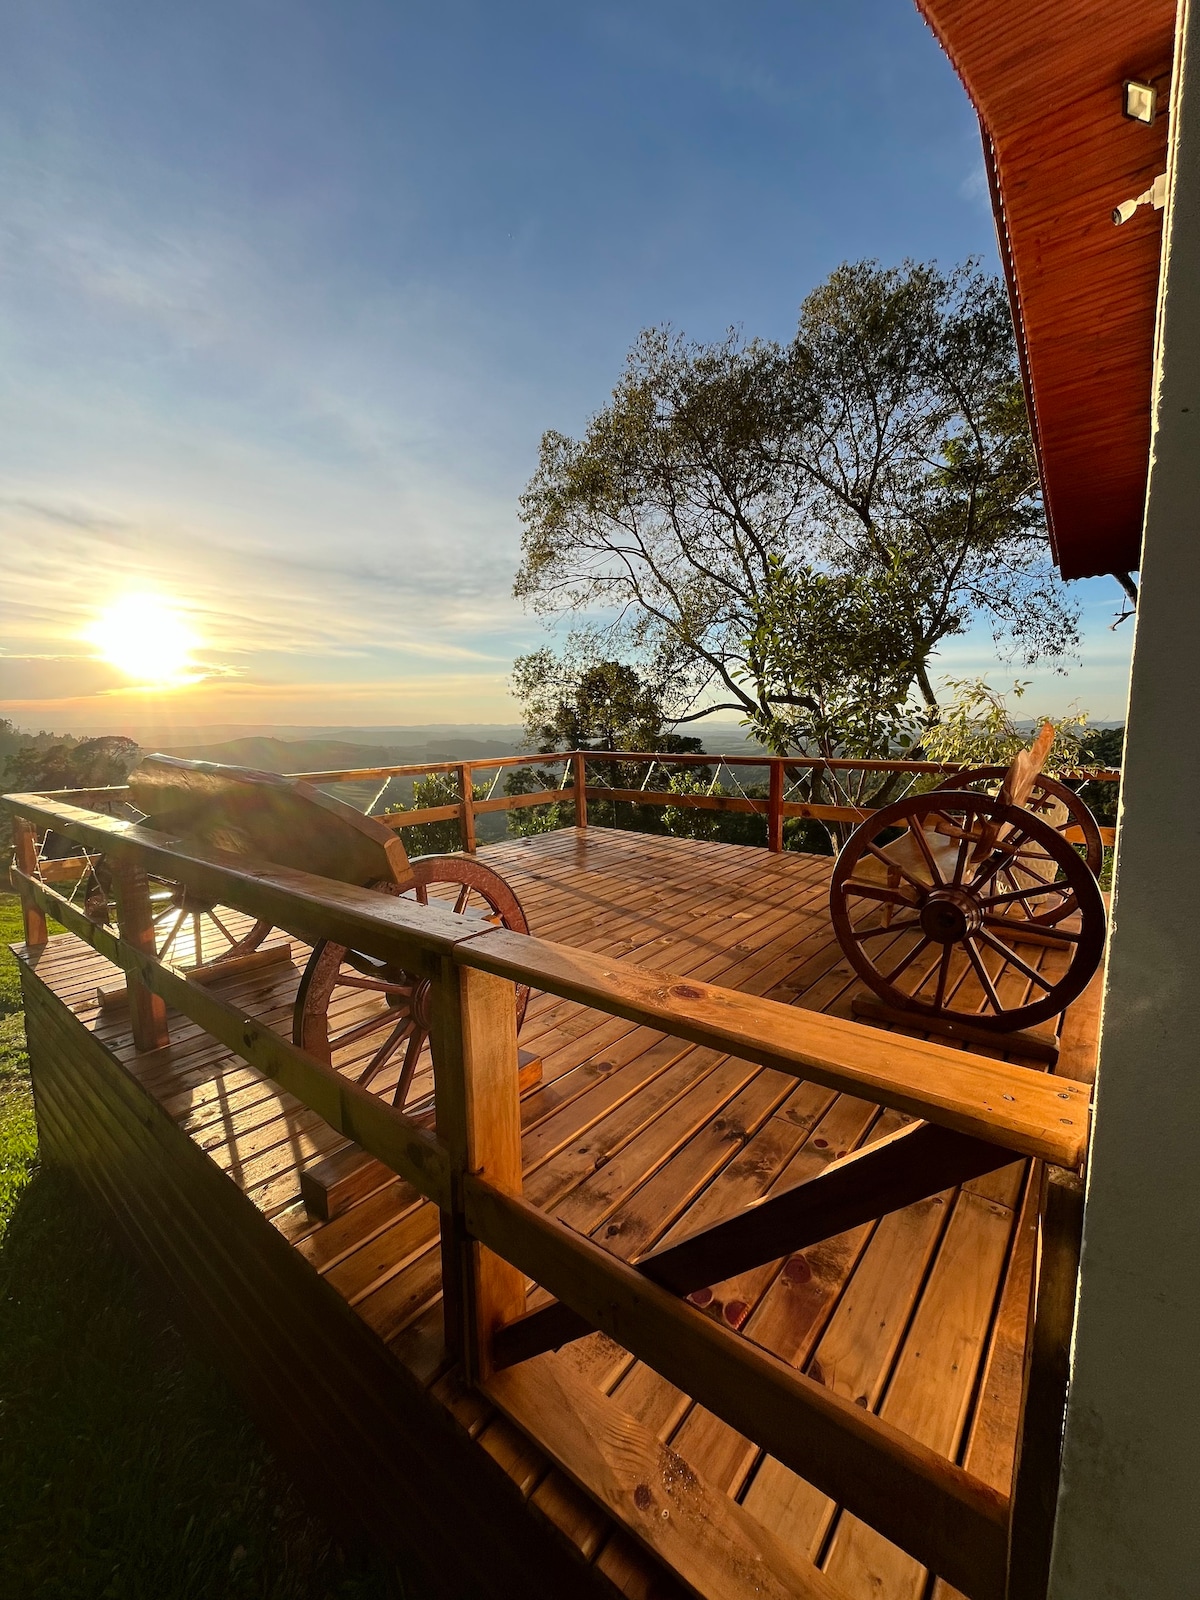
[
  {"x": 478, "y": 1116},
  {"x": 466, "y": 789},
  {"x": 1044, "y": 1390},
  {"x": 775, "y": 808},
  {"x": 148, "y": 1011},
  {"x": 25, "y": 854},
  {"x": 579, "y": 764}
]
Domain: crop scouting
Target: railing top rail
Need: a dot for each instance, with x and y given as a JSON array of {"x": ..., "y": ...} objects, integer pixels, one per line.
[
  {"x": 1011, "y": 1106},
  {"x": 834, "y": 763}
]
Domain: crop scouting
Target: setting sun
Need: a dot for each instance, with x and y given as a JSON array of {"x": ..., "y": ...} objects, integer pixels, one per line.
[{"x": 143, "y": 636}]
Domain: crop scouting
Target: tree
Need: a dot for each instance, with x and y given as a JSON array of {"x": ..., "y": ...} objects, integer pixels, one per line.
[
  {"x": 571, "y": 703},
  {"x": 791, "y": 531},
  {"x": 72, "y": 764}
]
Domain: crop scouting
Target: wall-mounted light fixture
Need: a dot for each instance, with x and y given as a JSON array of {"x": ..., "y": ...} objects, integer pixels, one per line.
[{"x": 1140, "y": 101}]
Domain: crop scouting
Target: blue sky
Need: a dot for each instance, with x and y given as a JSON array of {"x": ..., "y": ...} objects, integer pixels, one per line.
[{"x": 289, "y": 292}]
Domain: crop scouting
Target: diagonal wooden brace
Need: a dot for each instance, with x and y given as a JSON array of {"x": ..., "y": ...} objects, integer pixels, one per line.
[{"x": 917, "y": 1161}]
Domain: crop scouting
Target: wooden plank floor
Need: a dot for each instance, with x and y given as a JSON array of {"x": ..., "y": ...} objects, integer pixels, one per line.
[{"x": 632, "y": 1137}]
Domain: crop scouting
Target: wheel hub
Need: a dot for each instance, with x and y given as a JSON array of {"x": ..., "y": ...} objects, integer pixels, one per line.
[{"x": 949, "y": 914}]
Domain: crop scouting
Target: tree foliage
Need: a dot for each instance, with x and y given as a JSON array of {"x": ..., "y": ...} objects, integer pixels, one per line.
[
  {"x": 571, "y": 703},
  {"x": 72, "y": 764},
  {"x": 976, "y": 728},
  {"x": 435, "y": 838},
  {"x": 790, "y": 531}
]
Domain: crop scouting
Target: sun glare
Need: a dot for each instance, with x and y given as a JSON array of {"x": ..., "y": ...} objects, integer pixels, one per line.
[{"x": 143, "y": 636}]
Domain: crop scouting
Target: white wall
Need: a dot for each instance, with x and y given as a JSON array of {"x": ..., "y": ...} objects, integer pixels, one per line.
[{"x": 1129, "y": 1505}]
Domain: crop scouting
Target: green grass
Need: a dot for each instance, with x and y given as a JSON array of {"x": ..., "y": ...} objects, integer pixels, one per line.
[{"x": 128, "y": 1469}]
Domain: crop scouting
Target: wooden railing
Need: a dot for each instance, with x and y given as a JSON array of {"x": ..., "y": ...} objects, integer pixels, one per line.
[
  {"x": 576, "y": 791},
  {"x": 974, "y": 1110},
  {"x": 775, "y": 807}
]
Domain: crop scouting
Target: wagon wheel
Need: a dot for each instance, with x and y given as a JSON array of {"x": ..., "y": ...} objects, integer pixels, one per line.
[
  {"x": 356, "y": 1012},
  {"x": 194, "y": 931},
  {"x": 1066, "y": 813},
  {"x": 943, "y": 888}
]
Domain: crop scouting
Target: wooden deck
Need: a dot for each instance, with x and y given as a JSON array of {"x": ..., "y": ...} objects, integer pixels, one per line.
[{"x": 631, "y": 1137}]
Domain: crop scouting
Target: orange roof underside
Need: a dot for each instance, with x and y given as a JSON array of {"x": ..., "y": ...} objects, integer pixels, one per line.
[{"x": 1045, "y": 77}]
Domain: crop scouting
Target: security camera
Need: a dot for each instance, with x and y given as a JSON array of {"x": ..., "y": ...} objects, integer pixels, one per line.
[{"x": 1155, "y": 195}]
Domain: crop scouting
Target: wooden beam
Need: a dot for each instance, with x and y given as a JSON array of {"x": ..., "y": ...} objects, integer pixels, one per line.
[
  {"x": 910, "y": 1165},
  {"x": 943, "y": 1516},
  {"x": 514, "y": 802},
  {"x": 466, "y": 807},
  {"x": 306, "y": 905},
  {"x": 1016, "y": 1107},
  {"x": 775, "y": 808},
  {"x": 473, "y": 1036},
  {"x": 64, "y": 869},
  {"x": 579, "y": 767},
  {"x": 1044, "y": 1393},
  {"x": 135, "y": 919},
  {"x": 414, "y": 819},
  {"x": 26, "y": 862},
  {"x": 692, "y": 802},
  {"x": 739, "y": 804}
]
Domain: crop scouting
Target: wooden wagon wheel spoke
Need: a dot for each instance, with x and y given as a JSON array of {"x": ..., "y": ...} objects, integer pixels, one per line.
[
  {"x": 984, "y": 977},
  {"x": 364, "y": 1030},
  {"x": 888, "y": 927},
  {"x": 173, "y": 935},
  {"x": 879, "y": 891},
  {"x": 1016, "y": 931},
  {"x": 354, "y": 980},
  {"x": 895, "y": 866},
  {"x": 1014, "y": 960},
  {"x": 464, "y": 894},
  {"x": 908, "y": 960},
  {"x": 1019, "y": 893},
  {"x": 408, "y": 1068},
  {"x": 385, "y": 1052},
  {"x": 943, "y": 972},
  {"x": 923, "y": 845},
  {"x": 960, "y": 860},
  {"x": 1053, "y": 807},
  {"x": 220, "y": 926}
]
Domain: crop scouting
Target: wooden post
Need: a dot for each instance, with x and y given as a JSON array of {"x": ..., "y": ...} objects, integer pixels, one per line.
[
  {"x": 579, "y": 763},
  {"x": 25, "y": 852},
  {"x": 1044, "y": 1396},
  {"x": 474, "y": 1040},
  {"x": 147, "y": 1011},
  {"x": 467, "y": 808},
  {"x": 775, "y": 807}
]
